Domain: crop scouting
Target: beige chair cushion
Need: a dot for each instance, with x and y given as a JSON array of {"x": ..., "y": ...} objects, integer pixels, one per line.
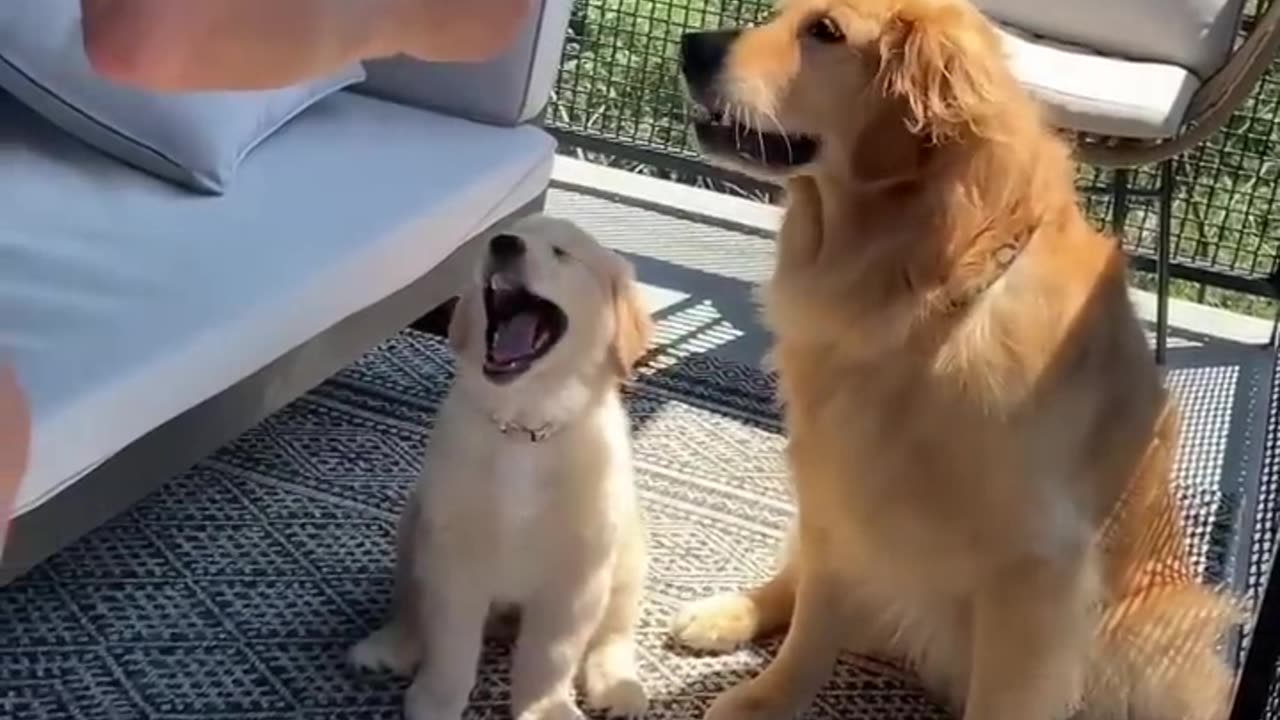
[
  {"x": 1085, "y": 91},
  {"x": 1194, "y": 34}
]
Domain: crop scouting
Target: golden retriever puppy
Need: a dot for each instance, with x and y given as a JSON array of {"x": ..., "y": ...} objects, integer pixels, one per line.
[
  {"x": 527, "y": 498},
  {"x": 980, "y": 442}
]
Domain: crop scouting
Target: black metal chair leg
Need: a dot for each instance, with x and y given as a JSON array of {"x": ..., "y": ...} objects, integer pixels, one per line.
[
  {"x": 1164, "y": 259},
  {"x": 1119, "y": 201},
  {"x": 1258, "y": 674},
  {"x": 1275, "y": 326}
]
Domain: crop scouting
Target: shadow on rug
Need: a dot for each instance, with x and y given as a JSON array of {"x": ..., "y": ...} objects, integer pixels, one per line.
[{"x": 236, "y": 589}]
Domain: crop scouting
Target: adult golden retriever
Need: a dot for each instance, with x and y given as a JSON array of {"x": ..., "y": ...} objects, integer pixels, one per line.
[{"x": 981, "y": 444}]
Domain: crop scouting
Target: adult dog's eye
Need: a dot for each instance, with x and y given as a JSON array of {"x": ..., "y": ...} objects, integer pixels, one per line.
[
  {"x": 825, "y": 30},
  {"x": 559, "y": 252}
]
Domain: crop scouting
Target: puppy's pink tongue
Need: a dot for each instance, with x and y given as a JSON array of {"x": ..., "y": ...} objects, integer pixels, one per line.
[{"x": 514, "y": 338}]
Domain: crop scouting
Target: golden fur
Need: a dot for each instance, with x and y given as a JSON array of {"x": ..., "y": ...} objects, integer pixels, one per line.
[
  {"x": 550, "y": 528},
  {"x": 981, "y": 455}
]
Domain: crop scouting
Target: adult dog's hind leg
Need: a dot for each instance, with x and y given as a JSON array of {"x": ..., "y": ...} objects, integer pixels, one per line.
[
  {"x": 804, "y": 662},
  {"x": 1032, "y": 635}
]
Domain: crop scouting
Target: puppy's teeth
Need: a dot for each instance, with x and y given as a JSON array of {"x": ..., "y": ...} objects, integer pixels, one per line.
[{"x": 501, "y": 283}]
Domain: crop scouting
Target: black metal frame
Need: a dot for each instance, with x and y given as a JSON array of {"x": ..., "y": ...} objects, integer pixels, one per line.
[
  {"x": 1163, "y": 266},
  {"x": 690, "y": 165},
  {"x": 1164, "y": 242},
  {"x": 1257, "y": 690},
  {"x": 1257, "y": 678}
]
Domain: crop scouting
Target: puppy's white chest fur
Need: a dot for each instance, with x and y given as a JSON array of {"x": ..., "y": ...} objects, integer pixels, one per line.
[
  {"x": 520, "y": 481},
  {"x": 522, "y": 495}
]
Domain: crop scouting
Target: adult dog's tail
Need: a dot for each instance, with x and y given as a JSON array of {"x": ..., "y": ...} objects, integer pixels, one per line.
[{"x": 1159, "y": 654}]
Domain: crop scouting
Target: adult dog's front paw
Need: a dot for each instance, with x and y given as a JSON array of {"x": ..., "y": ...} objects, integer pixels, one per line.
[
  {"x": 718, "y": 624},
  {"x": 426, "y": 701}
]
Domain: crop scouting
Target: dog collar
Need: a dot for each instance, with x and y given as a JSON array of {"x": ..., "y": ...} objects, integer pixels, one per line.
[
  {"x": 1003, "y": 256},
  {"x": 534, "y": 435}
]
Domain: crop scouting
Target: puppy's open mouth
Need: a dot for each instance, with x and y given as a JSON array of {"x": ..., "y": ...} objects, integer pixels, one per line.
[
  {"x": 719, "y": 133},
  {"x": 521, "y": 329}
]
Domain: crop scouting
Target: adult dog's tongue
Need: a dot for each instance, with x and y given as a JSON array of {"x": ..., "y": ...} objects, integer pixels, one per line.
[{"x": 514, "y": 339}]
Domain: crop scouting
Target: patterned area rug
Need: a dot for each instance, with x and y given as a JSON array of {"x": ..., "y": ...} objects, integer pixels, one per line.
[{"x": 235, "y": 590}]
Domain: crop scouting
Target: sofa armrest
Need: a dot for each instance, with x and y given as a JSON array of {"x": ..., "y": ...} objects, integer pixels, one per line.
[{"x": 508, "y": 90}]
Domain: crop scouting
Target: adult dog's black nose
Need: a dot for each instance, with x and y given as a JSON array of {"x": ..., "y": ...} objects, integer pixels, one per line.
[
  {"x": 702, "y": 56},
  {"x": 505, "y": 248}
]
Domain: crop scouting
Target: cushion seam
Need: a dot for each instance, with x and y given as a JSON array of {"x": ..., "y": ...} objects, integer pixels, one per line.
[
  {"x": 44, "y": 90},
  {"x": 351, "y": 75}
]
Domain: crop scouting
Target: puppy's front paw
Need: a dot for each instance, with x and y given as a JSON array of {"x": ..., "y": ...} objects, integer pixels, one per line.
[
  {"x": 557, "y": 709},
  {"x": 610, "y": 680},
  {"x": 623, "y": 698},
  {"x": 388, "y": 649},
  {"x": 423, "y": 702},
  {"x": 717, "y": 624},
  {"x": 743, "y": 703}
]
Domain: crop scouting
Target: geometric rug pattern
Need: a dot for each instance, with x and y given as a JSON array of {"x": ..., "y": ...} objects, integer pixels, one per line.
[{"x": 235, "y": 590}]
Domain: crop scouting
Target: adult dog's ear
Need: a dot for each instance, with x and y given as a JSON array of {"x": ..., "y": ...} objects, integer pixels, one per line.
[
  {"x": 461, "y": 323},
  {"x": 944, "y": 63},
  {"x": 633, "y": 328}
]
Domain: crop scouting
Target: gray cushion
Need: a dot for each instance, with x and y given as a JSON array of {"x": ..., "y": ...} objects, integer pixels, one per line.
[
  {"x": 124, "y": 301},
  {"x": 1193, "y": 34},
  {"x": 508, "y": 90},
  {"x": 197, "y": 139},
  {"x": 1086, "y": 91}
]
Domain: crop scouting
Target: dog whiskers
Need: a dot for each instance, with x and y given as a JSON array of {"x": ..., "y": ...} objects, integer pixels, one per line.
[
  {"x": 739, "y": 114},
  {"x": 782, "y": 132}
]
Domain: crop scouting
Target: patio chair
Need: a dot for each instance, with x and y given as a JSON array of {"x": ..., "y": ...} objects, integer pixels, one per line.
[{"x": 1138, "y": 82}]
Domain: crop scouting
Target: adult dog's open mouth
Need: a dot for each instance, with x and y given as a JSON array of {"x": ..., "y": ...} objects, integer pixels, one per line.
[
  {"x": 720, "y": 133},
  {"x": 521, "y": 329}
]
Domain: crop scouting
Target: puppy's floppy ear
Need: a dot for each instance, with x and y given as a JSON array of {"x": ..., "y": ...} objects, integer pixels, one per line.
[
  {"x": 633, "y": 328},
  {"x": 945, "y": 64},
  {"x": 461, "y": 323}
]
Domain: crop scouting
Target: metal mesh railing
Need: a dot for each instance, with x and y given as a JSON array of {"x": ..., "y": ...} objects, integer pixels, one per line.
[{"x": 619, "y": 98}]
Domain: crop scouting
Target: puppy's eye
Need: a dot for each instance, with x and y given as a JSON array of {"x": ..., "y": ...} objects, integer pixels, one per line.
[
  {"x": 825, "y": 30},
  {"x": 559, "y": 252}
]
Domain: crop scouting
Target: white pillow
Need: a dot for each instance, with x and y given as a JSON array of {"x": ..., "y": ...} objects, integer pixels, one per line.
[{"x": 197, "y": 139}]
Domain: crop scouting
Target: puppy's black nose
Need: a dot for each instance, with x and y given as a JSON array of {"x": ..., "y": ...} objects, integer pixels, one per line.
[
  {"x": 506, "y": 247},
  {"x": 702, "y": 55}
]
